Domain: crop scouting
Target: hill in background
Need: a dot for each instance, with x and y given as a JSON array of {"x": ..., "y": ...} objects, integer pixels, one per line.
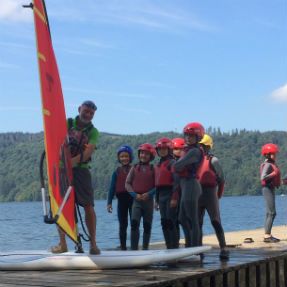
[{"x": 238, "y": 152}]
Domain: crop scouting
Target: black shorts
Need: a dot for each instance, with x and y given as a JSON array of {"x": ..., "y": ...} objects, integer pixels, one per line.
[{"x": 83, "y": 186}]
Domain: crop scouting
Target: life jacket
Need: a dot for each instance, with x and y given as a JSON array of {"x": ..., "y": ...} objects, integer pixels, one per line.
[
  {"x": 78, "y": 139},
  {"x": 190, "y": 171},
  {"x": 122, "y": 173},
  {"x": 144, "y": 178},
  {"x": 272, "y": 182},
  {"x": 163, "y": 173},
  {"x": 205, "y": 173}
]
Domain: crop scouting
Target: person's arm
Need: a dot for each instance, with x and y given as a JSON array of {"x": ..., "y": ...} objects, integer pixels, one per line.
[
  {"x": 219, "y": 175},
  {"x": 175, "y": 188},
  {"x": 193, "y": 156},
  {"x": 89, "y": 148},
  {"x": 112, "y": 191},
  {"x": 151, "y": 192},
  {"x": 128, "y": 184},
  {"x": 267, "y": 172}
]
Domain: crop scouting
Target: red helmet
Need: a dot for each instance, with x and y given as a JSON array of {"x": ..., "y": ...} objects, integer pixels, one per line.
[
  {"x": 194, "y": 129},
  {"x": 178, "y": 143},
  {"x": 147, "y": 147},
  {"x": 163, "y": 142},
  {"x": 269, "y": 148}
]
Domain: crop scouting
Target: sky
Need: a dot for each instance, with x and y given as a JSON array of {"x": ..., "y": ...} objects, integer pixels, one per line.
[{"x": 151, "y": 65}]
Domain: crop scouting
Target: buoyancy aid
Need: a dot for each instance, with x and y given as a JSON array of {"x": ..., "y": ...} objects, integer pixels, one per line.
[
  {"x": 190, "y": 171},
  {"x": 78, "y": 139},
  {"x": 144, "y": 178},
  {"x": 275, "y": 181},
  {"x": 122, "y": 173},
  {"x": 205, "y": 173},
  {"x": 163, "y": 173}
]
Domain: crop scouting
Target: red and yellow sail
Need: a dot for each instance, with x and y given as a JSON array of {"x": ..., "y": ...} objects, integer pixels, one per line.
[{"x": 55, "y": 126}]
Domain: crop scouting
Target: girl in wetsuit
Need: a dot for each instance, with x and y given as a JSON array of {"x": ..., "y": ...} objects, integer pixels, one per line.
[
  {"x": 117, "y": 187},
  {"x": 186, "y": 168},
  {"x": 270, "y": 179},
  {"x": 140, "y": 184}
]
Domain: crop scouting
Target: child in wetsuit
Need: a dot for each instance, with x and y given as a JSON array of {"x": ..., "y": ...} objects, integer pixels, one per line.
[
  {"x": 211, "y": 178},
  {"x": 186, "y": 168},
  {"x": 140, "y": 183},
  {"x": 117, "y": 187},
  {"x": 164, "y": 183},
  {"x": 270, "y": 179}
]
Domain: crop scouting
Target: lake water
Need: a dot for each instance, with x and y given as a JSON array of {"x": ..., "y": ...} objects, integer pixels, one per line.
[{"x": 22, "y": 224}]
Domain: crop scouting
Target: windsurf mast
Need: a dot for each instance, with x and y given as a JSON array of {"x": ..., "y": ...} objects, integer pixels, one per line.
[{"x": 59, "y": 170}]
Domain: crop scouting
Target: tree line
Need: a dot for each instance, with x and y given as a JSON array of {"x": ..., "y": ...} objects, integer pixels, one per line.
[{"x": 239, "y": 152}]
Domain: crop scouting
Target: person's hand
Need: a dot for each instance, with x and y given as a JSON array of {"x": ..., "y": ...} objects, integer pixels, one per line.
[
  {"x": 139, "y": 197},
  {"x": 156, "y": 206},
  {"x": 145, "y": 196},
  {"x": 109, "y": 208},
  {"x": 173, "y": 203}
]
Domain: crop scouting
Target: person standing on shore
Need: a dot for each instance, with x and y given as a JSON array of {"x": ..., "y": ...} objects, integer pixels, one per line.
[
  {"x": 164, "y": 183},
  {"x": 211, "y": 178},
  {"x": 140, "y": 183},
  {"x": 270, "y": 179},
  {"x": 83, "y": 137},
  {"x": 178, "y": 145},
  {"x": 117, "y": 187},
  {"x": 186, "y": 168}
]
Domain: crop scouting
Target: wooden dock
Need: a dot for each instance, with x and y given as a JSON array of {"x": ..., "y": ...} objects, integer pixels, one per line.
[{"x": 251, "y": 265}]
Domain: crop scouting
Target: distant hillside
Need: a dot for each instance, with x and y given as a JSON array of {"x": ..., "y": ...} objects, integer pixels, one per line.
[{"x": 239, "y": 154}]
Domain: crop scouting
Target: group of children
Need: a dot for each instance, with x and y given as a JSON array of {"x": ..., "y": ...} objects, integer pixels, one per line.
[{"x": 186, "y": 181}]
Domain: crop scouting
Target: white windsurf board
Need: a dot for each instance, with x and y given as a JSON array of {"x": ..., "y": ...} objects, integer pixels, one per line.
[{"x": 44, "y": 260}]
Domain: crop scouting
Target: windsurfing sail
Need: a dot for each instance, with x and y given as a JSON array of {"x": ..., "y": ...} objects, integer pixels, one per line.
[{"x": 59, "y": 170}]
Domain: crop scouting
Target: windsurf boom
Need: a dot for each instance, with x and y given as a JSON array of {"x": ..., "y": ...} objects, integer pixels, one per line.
[{"x": 59, "y": 170}]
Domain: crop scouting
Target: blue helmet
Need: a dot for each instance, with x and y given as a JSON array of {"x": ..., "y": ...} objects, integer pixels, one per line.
[{"x": 128, "y": 149}]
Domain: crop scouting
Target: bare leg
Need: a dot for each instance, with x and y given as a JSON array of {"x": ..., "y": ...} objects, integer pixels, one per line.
[
  {"x": 62, "y": 246},
  {"x": 91, "y": 220}
]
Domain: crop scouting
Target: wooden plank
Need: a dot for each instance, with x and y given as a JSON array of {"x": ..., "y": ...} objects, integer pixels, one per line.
[
  {"x": 241, "y": 277},
  {"x": 218, "y": 280},
  {"x": 231, "y": 279},
  {"x": 252, "y": 276},
  {"x": 263, "y": 275},
  {"x": 280, "y": 273},
  {"x": 205, "y": 281},
  {"x": 272, "y": 273}
]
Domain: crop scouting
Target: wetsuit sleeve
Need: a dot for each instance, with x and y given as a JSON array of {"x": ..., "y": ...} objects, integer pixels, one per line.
[
  {"x": 217, "y": 169},
  {"x": 176, "y": 185},
  {"x": 129, "y": 182},
  {"x": 112, "y": 189},
  {"x": 219, "y": 175},
  {"x": 151, "y": 193},
  {"x": 267, "y": 172},
  {"x": 193, "y": 156}
]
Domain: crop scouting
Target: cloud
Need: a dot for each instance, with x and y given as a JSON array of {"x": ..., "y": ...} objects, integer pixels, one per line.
[
  {"x": 280, "y": 94},
  {"x": 95, "y": 44},
  {"x": 12, "y": 11},
  {"x": 158, "y": 16}
]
